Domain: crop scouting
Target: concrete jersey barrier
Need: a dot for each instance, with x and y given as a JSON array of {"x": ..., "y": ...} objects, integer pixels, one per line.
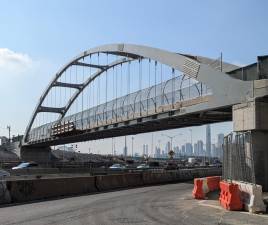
[
  {"x": 4, "y": 193},
  {"x": 29, "y": 189},
  {"x": 35, "y": 189},
  {"x": 251, "y": 196},
  {"x": 110, "y": 182}
]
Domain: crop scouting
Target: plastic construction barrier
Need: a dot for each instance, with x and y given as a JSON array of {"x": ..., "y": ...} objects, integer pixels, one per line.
[
  {"x": 251, "y": 195},
  {"x": 213, "y": 183},
  {"x": 204, "y": 185},
  {"x": 230, "y": 196},
  {"x": 200, "y": 188}
]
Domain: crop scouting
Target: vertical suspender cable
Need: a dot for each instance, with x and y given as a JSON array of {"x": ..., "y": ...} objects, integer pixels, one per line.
[
  {"x": 77, "y": 100},
  {"x": 98, "y": 90},
  {"x": 149, "y": 89},
  {"x": 140, "y": 76},
  {"x": 162, "y": 91},
  {"x": 155, "y": 69},
  {"x": 70, "y": 92},
  {"x": 173, "y": 87},
  {"x": 106, "y": 87},
  {"x": 82, "y": 113},
  {"x": 128, "y": 88},
  {"x": 113, "y": 90},
  {"x": 90, "y": 90}
]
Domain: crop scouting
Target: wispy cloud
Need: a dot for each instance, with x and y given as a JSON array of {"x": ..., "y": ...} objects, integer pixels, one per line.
[{"x": 12, "y": 62}]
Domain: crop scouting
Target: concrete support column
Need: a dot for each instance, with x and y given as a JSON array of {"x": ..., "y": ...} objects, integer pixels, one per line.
[
  {"x": 259, "y": 140},
  {"x": 41, "y": 155},
  {"x": 253, "y": 116}
]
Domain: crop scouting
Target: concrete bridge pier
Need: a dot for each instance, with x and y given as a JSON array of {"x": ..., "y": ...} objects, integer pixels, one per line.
[
  {"x": 40, "y": 155},
  {"x": 253, "y": 117}
]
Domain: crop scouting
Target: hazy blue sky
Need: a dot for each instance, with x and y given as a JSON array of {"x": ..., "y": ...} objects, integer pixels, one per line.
[{"x": 37, "y": 37}]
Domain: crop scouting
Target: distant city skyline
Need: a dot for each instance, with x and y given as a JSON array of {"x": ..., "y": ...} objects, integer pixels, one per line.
[{"x": 104, "y": 146}]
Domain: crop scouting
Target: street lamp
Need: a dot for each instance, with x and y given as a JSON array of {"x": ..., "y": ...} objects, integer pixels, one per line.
[{"x": 171, "y": 138}]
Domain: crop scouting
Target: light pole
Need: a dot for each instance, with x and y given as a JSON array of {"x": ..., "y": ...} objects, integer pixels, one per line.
[
  {"x": 9, "y": 128},
  {"x": 112, "y": 145},
  {"x": 132, "y": 145},
  {"x": 171, "y": 138}
]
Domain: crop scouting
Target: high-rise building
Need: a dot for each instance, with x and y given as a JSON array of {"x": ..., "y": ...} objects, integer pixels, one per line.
[
  {"x": 145, "y": 149},
  {"x": 220, "y": 145},
  {"x": 220, "y": 140},
  {"x": 208, "y": 141},
  {"x": 157, "y": 153},
  {"x": 168, "y": 147},
  {"x": 177, "y": 151},
  {"x": 214, "y": 150},
  {"x": 183, "y": 152},
  {"x": 189, "y": 149},
  {"x": 195, "y": 149},
  {"x": 200, "y": 148}
]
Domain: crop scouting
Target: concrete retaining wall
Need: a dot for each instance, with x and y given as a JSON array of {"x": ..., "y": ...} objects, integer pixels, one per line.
[{"x": 23, "y": 190}]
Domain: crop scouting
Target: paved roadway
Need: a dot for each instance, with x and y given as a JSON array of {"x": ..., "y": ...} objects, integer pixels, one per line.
[{"x": 156, "y": 205}]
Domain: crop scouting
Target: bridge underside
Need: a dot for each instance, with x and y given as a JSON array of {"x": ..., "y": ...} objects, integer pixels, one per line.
[{"x": 157, "y": 122}]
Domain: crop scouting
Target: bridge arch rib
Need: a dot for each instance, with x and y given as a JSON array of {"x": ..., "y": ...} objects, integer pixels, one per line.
[{"x": 194, "y": 67}]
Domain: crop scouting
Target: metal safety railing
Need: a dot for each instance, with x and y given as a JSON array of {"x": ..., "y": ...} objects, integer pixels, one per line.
[{"x": 238, "y": 157}]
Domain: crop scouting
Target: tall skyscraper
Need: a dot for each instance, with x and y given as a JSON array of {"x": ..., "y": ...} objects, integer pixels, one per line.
[
  {"x": 220, "y": 145},
  {"x": 208, "y": 141},
  {"x": 183, "y": 150},
  {"x": 168, "y": 147},
  {"x": 214, "y": 151},
  {"x": 157, "y": 153},
  {"x": 196, "y": 149},
  {"x": 200, "y": 148},
  {"x": 145, "y": 149},
  {"x": 220, "y": 140},
  {"x": 189, "y": 149}
]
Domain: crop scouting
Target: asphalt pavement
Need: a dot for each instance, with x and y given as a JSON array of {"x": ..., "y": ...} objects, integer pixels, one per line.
[{"x": 156, "y": 205}]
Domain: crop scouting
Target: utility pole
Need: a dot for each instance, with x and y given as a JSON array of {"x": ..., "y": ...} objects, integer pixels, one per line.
[{"x": 9, "y": 129}]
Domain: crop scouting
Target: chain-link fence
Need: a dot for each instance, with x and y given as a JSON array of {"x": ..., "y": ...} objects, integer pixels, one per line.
[{"x": 238, "y": 157}]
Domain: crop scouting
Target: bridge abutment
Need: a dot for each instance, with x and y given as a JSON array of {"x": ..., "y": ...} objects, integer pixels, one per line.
[
  {"x": 41, "y": 155},
  {"x": 252, "y": 117}
]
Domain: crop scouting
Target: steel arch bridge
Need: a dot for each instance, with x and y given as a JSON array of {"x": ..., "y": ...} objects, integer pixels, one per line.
[{"x": 122, "y": 89}]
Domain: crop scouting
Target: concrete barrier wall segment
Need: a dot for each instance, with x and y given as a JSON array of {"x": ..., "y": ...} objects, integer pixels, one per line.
[{"x": 35, "y": 189}]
